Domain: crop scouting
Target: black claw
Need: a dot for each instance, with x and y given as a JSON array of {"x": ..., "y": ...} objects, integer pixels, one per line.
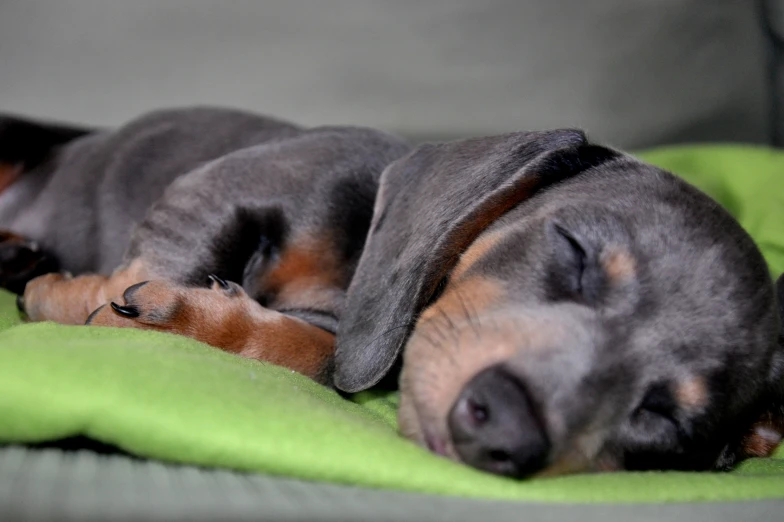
[
  {"x": 128, "y": 311},
  {"x": 20, "y": 303},
  {"x": 92, "y": 315},
  {"x": 221, "y": 282},
  {"x": 128, "y": 294}
]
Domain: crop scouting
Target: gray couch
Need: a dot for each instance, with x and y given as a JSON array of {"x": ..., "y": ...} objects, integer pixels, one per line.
[{"x": 635, "y": 73}]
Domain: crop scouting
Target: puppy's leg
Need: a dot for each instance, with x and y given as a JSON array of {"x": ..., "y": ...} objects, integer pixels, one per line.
[
  {"x": 225, "y": 317},
  {"x": 70, "y": 300}
]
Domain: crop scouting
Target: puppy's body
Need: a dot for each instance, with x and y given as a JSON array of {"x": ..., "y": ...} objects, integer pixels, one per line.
[{"x": 559, "y": 306}]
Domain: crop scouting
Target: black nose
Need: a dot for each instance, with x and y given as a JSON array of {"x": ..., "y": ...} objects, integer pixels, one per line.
[{"x": 494, "y": 426}]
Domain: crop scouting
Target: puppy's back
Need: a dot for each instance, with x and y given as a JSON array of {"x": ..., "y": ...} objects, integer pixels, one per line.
[{"x": 83, "y": 200}]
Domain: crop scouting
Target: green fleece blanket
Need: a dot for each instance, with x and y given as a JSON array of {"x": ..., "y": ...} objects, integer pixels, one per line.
[{"x": 170, "y": 398}]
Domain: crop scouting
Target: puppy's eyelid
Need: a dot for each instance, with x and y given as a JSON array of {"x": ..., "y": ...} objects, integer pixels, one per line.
[
  {"x": 659, "y": 400},
  {"x": 573, "y": 252},
  {"x": 581, "y": 257}
]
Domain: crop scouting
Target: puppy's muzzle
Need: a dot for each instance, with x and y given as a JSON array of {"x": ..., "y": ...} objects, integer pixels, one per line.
[{"x": 494, "y": 426}]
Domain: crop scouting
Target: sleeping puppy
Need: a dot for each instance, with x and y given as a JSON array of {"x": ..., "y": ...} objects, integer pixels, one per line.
[{"x": 558, "y": 306}]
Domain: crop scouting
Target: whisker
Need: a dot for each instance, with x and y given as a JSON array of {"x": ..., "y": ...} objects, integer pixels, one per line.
[
  {"x": 441, "y": 348},
  {"x": 452, "y": 328},
  {"x": 473, "y": 320},
  {"x": 437, "y": 328},
  {"x": 431, "y": 381}
]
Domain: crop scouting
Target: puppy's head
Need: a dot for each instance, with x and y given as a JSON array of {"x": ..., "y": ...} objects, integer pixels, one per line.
[{"x": 562, "y": 307}]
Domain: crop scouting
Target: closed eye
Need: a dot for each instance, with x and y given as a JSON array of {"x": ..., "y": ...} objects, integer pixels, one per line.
[
  {"x": 573, "y": 272},
  {"x": 654, "y": 438},
  {"x": 577, "y": 258},
  {"x": 658, "y": 401}
]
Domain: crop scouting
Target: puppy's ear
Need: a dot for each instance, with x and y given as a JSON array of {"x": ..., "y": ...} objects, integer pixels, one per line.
[{"x": 430, "y": 206}]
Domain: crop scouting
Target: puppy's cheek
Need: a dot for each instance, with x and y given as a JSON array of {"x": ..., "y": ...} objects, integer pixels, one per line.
[
  {"x": 425, "y": 380},
  {"x": 422, "y": 423},
  {"x": 429, "y": 385},
  {"x": 423, "y": 396},
  {"x": 407, "y": 420},
  {"x": 407, "y": 415}
]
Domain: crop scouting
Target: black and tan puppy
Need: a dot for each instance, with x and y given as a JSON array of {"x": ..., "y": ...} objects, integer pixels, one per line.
[{"x": 559, "y": 306}]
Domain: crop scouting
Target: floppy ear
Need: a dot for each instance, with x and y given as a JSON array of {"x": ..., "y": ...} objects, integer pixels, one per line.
[{"x": 430, "y": 206}]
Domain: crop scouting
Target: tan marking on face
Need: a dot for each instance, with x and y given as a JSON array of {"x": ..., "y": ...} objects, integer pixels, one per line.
[
  {"x": 8, "y": 175},
  {"x": 446, "y": 350},
  {"x": 440, "y": 360},
  {"x": 475, "y": 252},
  {"x": 70, "y": 300},
  {"x": 692, "y": 394},
  {"x": 619, "y": 265},
  {"x": 437, "y": 363},
  {"x": 472, "y": 295},
  {"x": 407, "y": 419}
]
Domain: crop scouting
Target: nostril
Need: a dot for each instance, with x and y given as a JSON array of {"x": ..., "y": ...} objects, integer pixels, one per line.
[
  {"x": 478, "y": 411},
  {"x": 467, "y": 416},
  {"x": 495, "y": 427},
  {"x": 499, "y": 456}
]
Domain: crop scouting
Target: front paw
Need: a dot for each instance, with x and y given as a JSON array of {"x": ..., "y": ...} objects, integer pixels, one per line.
[
  {"x": 146, "y": 304},
  {"x": 36, "y": 302},
  {"x": 163, "y": 305},
  {"x": 21, "y": 261}
]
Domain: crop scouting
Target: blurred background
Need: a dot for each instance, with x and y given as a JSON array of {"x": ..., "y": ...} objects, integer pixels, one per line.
[{"x": 634, "y": 73}]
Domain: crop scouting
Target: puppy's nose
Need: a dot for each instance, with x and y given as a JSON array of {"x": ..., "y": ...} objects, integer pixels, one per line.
[{"x": 494, "y": 426}]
